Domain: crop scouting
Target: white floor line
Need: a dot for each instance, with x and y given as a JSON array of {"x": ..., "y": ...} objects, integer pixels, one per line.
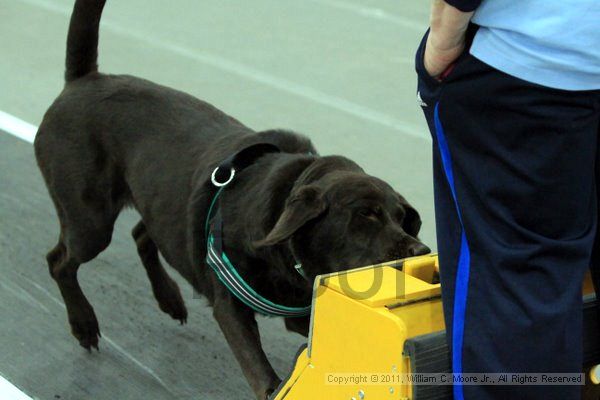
[
  {"x": 23, "y": 295},
  {"x": 108, "y": 340},
  {"x": 250, "y": 73},
  {"x": 374, "y": 13},
  {"x": 17, "y": 127},
  {"x": 10, "y": 392}
]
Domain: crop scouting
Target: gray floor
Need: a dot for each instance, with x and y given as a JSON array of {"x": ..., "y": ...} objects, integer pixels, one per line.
[{"x": 340, "y": 71}]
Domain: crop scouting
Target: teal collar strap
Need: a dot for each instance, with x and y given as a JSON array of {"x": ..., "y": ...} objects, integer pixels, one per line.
[{"x": 226, "y": 271}]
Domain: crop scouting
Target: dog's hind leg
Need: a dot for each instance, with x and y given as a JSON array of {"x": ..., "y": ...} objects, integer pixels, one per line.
[
  {"x": 63, "y": 268},
  {"x": 86, "y": 230},
  {"x": 88, "y": 192},
  {"x": 164, "y": 288}
]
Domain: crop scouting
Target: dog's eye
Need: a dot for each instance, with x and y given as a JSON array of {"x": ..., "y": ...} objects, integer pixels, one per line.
[{"x": 371, "y": 213}]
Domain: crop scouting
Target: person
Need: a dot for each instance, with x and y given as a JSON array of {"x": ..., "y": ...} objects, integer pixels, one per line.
[{"x": 511, "y": 93}]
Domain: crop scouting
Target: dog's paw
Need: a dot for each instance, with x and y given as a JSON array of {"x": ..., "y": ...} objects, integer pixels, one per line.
[
  {"x": 171, "y": 302},
  {"x": 86, "y": 331}
]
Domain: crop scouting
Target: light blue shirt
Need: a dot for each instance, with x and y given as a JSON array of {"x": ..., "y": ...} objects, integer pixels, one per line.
[{"x": 555, "y": 43}]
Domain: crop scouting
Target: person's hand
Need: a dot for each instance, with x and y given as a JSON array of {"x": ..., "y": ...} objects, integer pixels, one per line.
[
  {"x": 441, "y": 52},
  {"x": 446, "y": 40}
]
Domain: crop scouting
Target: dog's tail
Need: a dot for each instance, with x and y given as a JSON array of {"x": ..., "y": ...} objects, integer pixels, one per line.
[{"x": 82, "y": 40}]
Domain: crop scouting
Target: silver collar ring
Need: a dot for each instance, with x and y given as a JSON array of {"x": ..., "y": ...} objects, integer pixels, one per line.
[{"x": 214, "y": 181}]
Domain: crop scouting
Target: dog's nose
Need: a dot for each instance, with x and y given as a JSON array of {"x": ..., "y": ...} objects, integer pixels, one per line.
[{"x": 418, "y": 249}]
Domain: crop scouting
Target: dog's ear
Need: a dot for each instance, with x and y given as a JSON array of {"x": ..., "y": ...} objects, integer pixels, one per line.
[
  {"x": 302, "y": 206},
  {"x": 412, "y": 221}
]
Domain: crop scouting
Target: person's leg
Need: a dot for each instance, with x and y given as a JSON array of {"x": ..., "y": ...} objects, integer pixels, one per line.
[
  {"x": 448, "y": 224},
  {"x": 595, "y": 263},
  {"x": 516, "y": 217}
]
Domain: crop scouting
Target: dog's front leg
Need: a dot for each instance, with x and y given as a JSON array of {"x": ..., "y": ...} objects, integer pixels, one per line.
[{"x": 241, "y": 331}]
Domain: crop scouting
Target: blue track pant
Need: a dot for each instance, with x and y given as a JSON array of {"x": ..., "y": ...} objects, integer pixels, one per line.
[{"x": 516, "y": 212}]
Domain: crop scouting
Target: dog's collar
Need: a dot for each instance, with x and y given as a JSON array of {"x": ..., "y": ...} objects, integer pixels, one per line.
[{"x": 215, "y": 255}]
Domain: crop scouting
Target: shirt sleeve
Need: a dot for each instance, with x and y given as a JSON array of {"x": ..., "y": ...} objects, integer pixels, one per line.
[{"x": 465, "y": 5}]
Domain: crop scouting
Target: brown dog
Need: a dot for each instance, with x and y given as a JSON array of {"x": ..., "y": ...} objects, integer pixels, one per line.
[{"x": 110, "y": 141}]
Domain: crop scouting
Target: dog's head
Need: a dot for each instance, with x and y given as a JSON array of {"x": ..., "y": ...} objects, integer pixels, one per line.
[{"x": 346, "y": 219}]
